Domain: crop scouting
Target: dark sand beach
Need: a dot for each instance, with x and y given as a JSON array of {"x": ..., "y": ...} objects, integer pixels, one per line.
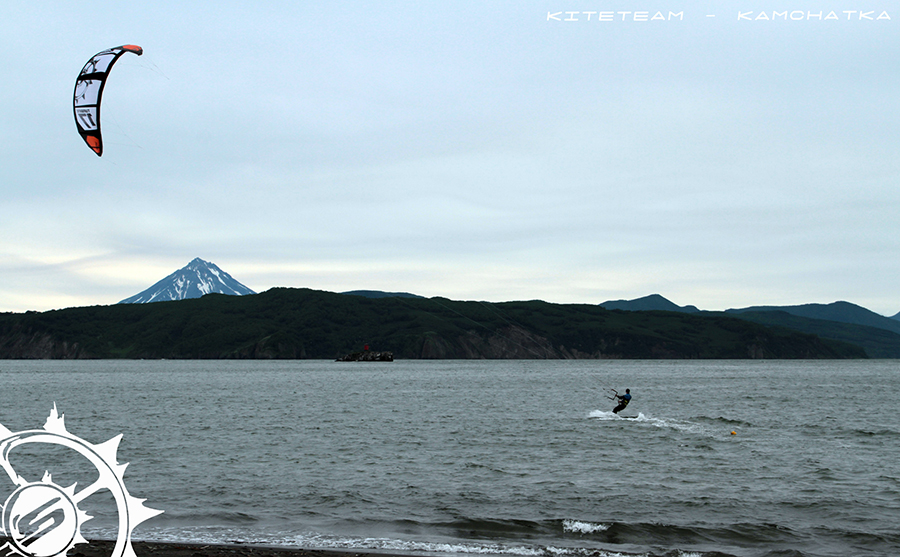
[{"x": 160, "y": 549}]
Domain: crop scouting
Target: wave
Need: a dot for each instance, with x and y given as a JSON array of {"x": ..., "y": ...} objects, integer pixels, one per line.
[
  {"x": 875, "y": 432},
  {"x": 663, "y": 423},
  {"x": 385, "y": 544},
  {"x": 569, "y": 537},
  {"x": 609, "y": 415},
  {"x": 582, "y": 527},
  {"x": 204, "y": 517},
  {"x": 724, "y": 421}
]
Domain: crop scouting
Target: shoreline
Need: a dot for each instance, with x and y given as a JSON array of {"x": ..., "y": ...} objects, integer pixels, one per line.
[{"x": 104, "y": 548}]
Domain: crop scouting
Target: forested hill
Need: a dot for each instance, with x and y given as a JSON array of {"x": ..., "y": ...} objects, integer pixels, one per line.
[{"x": 302, "y": 323}]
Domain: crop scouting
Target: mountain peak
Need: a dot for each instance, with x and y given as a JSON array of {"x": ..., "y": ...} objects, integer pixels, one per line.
[
  {"x": 194, "y": 280},
  {"x": 648, "y": 303}
]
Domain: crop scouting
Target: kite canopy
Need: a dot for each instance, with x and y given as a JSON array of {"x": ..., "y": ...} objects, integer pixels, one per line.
[{"x": 89, "y": 89}]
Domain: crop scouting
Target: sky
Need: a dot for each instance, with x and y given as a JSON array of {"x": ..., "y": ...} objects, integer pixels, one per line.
[{"x": 722, "y": 153}]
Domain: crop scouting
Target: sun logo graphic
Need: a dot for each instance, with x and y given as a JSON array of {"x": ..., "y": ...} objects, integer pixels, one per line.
[{"x": 41, "y": 518}]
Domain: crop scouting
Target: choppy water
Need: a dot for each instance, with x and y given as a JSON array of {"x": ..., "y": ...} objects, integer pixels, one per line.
[{"x": 516, "y": 457}]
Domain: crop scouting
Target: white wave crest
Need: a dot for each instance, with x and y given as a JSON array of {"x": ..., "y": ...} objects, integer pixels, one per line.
[
  {"x": 382, "y": 545},
  {"x": 662, "y": 423},
  {"x": 582, "y": 527},
  {"x": 607, "y": 415}
]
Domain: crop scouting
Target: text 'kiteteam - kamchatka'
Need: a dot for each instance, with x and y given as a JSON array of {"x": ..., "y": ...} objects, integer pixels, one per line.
[{"x": 772, "y": 15}]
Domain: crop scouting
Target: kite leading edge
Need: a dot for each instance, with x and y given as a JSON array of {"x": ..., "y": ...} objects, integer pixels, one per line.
[{"x": 89, "y": 89}]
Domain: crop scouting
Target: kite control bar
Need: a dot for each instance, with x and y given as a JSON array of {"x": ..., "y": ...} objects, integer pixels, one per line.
[{"x": 615, "y": 394}]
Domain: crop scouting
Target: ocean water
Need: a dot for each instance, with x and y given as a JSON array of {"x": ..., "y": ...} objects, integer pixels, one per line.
[{"x": 742, "y": 458}]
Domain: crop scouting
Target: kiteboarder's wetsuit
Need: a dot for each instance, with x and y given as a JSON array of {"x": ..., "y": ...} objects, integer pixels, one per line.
[{"x": 623, "y": 401}]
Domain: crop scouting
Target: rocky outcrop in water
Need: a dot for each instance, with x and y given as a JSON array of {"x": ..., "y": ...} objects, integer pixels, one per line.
[{"x": 367, "y": 356}]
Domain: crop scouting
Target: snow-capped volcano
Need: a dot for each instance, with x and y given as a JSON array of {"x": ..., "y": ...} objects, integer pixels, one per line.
[{"x": 197, "y": 278}]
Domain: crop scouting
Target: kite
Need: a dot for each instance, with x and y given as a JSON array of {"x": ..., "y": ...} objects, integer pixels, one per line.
[{"x": 89, "y": 88}]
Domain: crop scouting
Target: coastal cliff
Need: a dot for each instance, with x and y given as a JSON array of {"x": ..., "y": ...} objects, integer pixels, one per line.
[{"x": 300, "y": 323}]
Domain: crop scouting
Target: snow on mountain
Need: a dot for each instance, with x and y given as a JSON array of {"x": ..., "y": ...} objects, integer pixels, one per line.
[{"x": 197, "y": 278}]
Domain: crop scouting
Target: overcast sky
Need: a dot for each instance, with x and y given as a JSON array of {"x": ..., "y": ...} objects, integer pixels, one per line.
[{"x": 721, "y": 153}]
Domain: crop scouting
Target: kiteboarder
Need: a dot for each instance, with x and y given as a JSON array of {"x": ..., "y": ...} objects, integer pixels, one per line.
[{"x": 623, "y": 400}]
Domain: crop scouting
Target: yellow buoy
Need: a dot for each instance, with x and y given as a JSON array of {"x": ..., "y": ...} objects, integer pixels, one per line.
[{"x": 734, "y": 433}]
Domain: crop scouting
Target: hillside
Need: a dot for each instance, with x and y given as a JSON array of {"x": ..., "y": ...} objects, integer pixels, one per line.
[
  {"x": 841, "y": 312},
  {"x": 876, "y": 341},
  {"x": 380, "y": 294},
  {"x": 879, "y": 336},
  {"x": 302, "y": 323}
]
